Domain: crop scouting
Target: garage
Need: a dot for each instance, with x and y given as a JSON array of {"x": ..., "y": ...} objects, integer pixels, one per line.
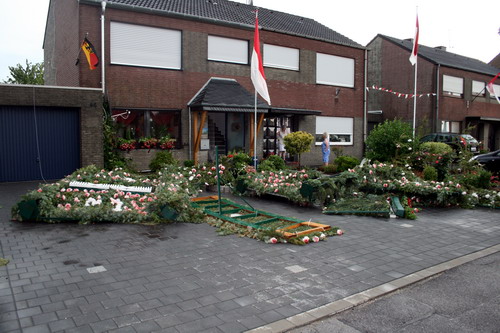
[{"x": 38, "y": 143}]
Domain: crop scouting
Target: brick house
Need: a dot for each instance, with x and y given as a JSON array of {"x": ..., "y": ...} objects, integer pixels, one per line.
[
  {"x": 450, "y": 88},
  {"x": 167, "y": 67}
]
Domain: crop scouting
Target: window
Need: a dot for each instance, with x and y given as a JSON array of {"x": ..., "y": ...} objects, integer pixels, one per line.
[
  {"x": 478, "y": 88},
  {"x": 137, "y": 45},
  {"x": 496, "y": 88},
  {"x": 340, "y": 130},
  {"x": 227, "y": 50},
  {"x": 281, "y": 57},
  {"x": 450, "y": 126},
  {"x": 453, "y": 86},
  {"x": 335, "y": 71},
  {"x": 136, "y": 124}
]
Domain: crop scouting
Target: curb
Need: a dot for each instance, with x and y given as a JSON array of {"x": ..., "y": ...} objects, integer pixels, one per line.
[{"x": 349, "y": 302}]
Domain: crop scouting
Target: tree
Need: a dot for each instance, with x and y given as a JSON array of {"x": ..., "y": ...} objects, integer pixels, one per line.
[
  {"x": 297, "y": 143},
  {"x": 389, "y": 140},
  {"x": 31, "y": 74}
]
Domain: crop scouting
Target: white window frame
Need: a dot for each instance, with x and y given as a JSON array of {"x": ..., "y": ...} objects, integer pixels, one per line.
[
  {"x": 226, "y": 49},
  {"x": 453, "y": 86},
  {"x": 334, "y": 70},
  {"x": 144, "y": 46},
  {"x": 335, "y": 126},
  {"x": 450, "y": 126},
  {"x": 281, "y": 57},
  {"x": 478, "y": 88}
]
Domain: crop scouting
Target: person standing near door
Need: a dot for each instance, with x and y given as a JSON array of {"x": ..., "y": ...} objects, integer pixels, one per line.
[{"x": 280, "y": 134}]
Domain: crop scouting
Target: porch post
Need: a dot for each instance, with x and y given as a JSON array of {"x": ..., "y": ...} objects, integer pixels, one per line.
[{"x": 195, "y": 138}]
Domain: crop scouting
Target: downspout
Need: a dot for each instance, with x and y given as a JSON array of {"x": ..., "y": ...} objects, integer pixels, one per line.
[
  {"x": 103, "y": 57},
  {"x": 365, "y": 125},
  {"x": 437, "y": 129}
]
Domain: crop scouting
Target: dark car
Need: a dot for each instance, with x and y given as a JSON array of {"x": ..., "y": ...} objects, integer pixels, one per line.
[
  {"x": 455, "y": 140},
  {"x": 490, "y": 161}
]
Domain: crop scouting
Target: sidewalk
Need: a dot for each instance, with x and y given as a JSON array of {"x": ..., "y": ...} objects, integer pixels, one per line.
[{"x": 185, "y": 278}]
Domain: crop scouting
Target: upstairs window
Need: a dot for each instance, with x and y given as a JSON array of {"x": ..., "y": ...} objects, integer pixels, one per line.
[
  {"x": 281, "y": 57},
  {"x": 137, "y": 45},
  {"x": 453, "y": 86},
  {"x": 478, "y": 88},
  {"x": 228, "y": 50},
  {"x": 334, "y": 70}
]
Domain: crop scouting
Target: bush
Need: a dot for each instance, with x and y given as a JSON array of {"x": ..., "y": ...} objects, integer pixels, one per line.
[
  {"x": 330, "y": 168},
  {"x": 344, "y": 163},
  {"x": 162, "y": 159},
  {"x": 188, "y": 163},
  {"x": 272, "y": 163},
  {"x": 430, "y": 173},
  {"x": 391, "y": 139},
  {"x": 297, "y": 143},
  {"x": 436, "y": 148}
]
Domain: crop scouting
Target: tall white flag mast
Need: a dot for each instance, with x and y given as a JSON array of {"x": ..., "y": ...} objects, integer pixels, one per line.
[{"x": 413, "y": 59}]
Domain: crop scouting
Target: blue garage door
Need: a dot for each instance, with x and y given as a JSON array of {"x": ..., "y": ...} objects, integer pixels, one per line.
[{"x": 41, "y": 143}]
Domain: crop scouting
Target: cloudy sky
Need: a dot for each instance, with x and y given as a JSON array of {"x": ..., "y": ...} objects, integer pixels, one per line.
[{"x": 466, "y": 28}]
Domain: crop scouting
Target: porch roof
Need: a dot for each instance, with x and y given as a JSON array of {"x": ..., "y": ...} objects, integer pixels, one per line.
[
  {"x": 225, "y": 95},
  {"x": 284, "y": 110}
]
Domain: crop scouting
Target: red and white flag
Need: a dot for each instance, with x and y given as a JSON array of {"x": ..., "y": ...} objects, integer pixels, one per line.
[
  {"x": 414, "y": 52},
  {"x": 257, "y": 69},
  {"x": 491, "y": 89}
]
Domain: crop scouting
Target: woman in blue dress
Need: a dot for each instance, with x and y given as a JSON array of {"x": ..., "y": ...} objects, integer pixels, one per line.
[{"x": 325, "y": 149}]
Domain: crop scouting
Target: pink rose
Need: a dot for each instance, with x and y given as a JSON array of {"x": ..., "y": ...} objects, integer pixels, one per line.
[
  {"x": 39, "y": 190},
  {"x": 315, "y": 239},
  {"x": 340, "y": 232},
  {"x": 273, "y": 240},
  {"x": 305, "y": 239}
]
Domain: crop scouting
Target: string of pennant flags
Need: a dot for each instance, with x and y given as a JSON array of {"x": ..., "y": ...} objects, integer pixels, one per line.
[{"x": 399, "y": 94}]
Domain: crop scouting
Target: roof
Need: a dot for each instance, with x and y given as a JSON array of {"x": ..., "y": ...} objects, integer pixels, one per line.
[
  {"x": 225, "y": 95},
  {"x": 234, "y": 13},
  {"x": 445, "y": 58}
]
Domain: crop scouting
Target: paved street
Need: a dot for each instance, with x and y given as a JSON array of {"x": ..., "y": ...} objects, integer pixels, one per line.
[
  {"x": 462, "y": 299},
  {"x": 185, "y": 278}
]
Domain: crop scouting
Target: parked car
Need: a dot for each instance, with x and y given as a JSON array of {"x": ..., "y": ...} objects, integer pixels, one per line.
[
  {"x": 490, "y": 161},
  {"x": 455, "y": 140}
]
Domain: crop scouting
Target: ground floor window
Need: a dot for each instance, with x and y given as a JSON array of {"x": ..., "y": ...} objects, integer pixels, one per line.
[
  {"x": 137, "y": 124},
  {"x": 340, "y": 130},
  {"x": 450, "y": 126}
]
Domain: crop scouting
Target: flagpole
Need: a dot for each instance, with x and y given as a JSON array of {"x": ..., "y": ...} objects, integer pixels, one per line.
[
  {"x": 255, "y": 133},
  {"x": 415, "y": 98}
]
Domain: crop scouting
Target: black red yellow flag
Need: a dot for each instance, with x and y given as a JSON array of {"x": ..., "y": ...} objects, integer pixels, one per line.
[{"x": 90, "y": 53}]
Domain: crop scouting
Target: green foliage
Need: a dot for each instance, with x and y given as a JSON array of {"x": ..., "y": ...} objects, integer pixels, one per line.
[
  {"x": 479, "y": 179},
  {"x": 344, "y": 163},
  {"x": 112, "y": 159},
  {"x": 297, "y": 143},
  {"x": 31, "y": 74},
  {"x": 330, "y": 168},
  {"x": 162, "y": 159},
  {"x": 188, "y": 163},
  {"x": 272, "y": 163},
  {"x": 436, "y": 148},
  {"x": 389, "y": 140},
  {"x": 430, "y": 173}
]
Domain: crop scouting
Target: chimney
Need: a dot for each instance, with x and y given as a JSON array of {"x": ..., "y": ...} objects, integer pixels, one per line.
[
  {"x": 250, "y": 2},
  {"x": 442, "y": 48}
]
